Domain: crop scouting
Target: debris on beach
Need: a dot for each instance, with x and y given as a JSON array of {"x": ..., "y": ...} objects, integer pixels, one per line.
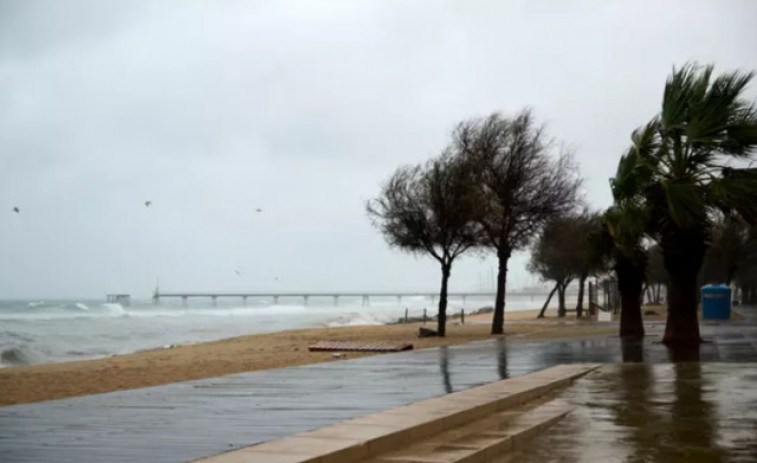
[
  {"x": 424, "y": 332},
  {"x": 326, "y": 346}
]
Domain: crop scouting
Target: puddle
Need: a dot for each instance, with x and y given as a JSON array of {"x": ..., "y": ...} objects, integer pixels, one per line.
[{"x": 688, "y": 412}]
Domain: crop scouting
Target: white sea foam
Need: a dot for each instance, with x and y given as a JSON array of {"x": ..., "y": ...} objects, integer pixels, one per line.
[
  {"x": 36, "y": 331},
  {"x": 359, "y": 319}
]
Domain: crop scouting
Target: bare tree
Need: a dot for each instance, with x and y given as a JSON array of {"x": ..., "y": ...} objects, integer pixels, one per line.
[
  {"x": 521, "y": 184},
  {"x": 428, "y": 210}
]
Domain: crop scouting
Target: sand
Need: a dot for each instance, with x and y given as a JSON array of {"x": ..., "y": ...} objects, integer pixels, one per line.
[{"x": 32, "y": 383}]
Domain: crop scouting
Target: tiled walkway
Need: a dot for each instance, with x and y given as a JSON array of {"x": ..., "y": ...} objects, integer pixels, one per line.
[{"x": 184, "y": 421}]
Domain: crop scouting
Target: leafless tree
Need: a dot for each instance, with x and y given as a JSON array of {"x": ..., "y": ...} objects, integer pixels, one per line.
[
  {"x": 523, "y": 179},
  {"x": 427, "y": 209}
]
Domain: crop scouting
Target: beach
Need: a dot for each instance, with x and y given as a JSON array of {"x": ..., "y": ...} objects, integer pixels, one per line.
[{"x": 32, "y": 383}]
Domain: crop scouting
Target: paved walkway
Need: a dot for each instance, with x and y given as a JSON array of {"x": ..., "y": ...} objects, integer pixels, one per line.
[
  {"x": 184, "y": 421},
  {"x": 685, "y": 412}
]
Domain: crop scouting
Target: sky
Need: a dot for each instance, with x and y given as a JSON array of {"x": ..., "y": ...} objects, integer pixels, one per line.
[{"x": 212, "y": 110}]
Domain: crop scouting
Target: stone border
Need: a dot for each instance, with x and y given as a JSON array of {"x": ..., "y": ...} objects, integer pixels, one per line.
[{"x": 371, "y": 435}]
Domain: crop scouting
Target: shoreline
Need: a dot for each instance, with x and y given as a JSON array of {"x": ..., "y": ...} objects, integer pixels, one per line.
[{"x": 38, "y": 382}]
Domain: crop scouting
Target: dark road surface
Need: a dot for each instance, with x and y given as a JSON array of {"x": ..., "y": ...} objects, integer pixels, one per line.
[{"x": 185, "y": 421}]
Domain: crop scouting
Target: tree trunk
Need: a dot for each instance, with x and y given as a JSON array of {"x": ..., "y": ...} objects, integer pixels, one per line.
[
  {"x": 498, "y": 322},
  {"x": 683, "y": 252},
  {"x": 561, "y": 309},
  {"x": 580, "y": 303},
  {"x": 630, "y": 284},
  {"x": 657, "y": 293},
  {"x": 546, "y": 303},
  {"x": 442, "y": 317}
]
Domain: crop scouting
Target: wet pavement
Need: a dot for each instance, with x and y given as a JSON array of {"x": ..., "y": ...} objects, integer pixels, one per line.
[
  {"x": 684, "y": 412},
  {"x": 184, "y": 421}
]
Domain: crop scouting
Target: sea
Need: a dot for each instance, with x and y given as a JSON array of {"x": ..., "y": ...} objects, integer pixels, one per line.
[{"x": 45, "y": 331}]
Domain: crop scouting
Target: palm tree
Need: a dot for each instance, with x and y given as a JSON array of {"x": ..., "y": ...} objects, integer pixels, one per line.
[
  {"x": 625, "y": 224},
  {"x": 683, "y": 172}
]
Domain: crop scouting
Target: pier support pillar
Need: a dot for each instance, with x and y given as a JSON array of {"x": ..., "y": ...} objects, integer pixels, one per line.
[
  {"x": 275, "y": 300},
  {"x": 244, "y": 300},
  {"x": 336, "y": 300},
  {"x": 215, "y": 300},
  {"x": 184, "y": 301},
  {"x": 463, "y": 300},
  {"x": 306, "y": 297},
  {"x": 399, "y": 299}
]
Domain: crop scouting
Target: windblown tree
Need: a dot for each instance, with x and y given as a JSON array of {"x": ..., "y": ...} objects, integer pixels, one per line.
[
  {"x": 428, "y": 210},
  {"x": 684, "y": 173},
  {"x": 626, "y": 222},
  {"x": 522, "y": 182},
  {"x": 556, "y": 256}
]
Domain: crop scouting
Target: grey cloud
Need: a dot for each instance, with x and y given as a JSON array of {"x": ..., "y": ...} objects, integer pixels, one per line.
[{"x": 211, "y": 109}]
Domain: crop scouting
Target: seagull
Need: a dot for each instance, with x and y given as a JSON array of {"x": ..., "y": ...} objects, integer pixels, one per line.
[
  {"x": 258, "y": 210},
  {"x": 16, "y": 210},
  {"x": 148, "y": 203},
  {"x": 237, "y": 272}
]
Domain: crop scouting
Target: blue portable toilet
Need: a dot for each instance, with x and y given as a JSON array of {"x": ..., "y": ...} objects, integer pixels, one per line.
[{"x": 716, "y": 301}]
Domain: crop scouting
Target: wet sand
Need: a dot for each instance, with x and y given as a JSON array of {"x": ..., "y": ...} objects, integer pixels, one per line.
[{"x": 32, "y": 383}]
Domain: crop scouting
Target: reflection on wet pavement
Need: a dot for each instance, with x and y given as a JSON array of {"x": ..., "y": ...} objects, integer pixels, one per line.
[{"x": 684, "y": 412}]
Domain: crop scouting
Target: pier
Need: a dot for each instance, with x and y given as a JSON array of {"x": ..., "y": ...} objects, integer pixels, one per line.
[
  {"x": 123, "y": 299},
  {"x": 365, "y": 297}
]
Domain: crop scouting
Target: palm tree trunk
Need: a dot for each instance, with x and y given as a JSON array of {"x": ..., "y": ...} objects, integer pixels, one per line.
[
  {"x": 683, "y": 253},
  {"x": 682, "y": 326},
  {"x": 580, "y": 303},
  {"x": 546, "y": 303},
  {"x": 442, "y": 317},
  {"x": 498, "y": 322},
  {"x": 630, "y": 284}
]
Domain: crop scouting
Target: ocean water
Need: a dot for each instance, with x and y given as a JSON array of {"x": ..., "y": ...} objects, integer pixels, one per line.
[{"x": 43, "y": 331}]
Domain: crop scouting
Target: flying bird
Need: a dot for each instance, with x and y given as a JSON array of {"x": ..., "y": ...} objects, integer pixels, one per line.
[
  {"x": 258, "y": 210},
  {"x": 237, "y": 272},
  {"x": 148, "y": 203},
  {"x": 16, "y": 210}
]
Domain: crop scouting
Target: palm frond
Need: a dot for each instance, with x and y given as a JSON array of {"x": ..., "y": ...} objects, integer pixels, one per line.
[
  {"x": 682, "y": 85},
  {"x": 685, "y": 203},
  {"x": 627, "y": 222},
  {"x": 736, "y": 191}
]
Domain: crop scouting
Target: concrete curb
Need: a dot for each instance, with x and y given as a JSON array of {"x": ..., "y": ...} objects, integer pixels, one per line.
[{"x": 371, "y": 435}]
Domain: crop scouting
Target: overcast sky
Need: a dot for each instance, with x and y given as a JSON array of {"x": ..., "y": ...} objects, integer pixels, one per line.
[{"x": 214, "y": 109}]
